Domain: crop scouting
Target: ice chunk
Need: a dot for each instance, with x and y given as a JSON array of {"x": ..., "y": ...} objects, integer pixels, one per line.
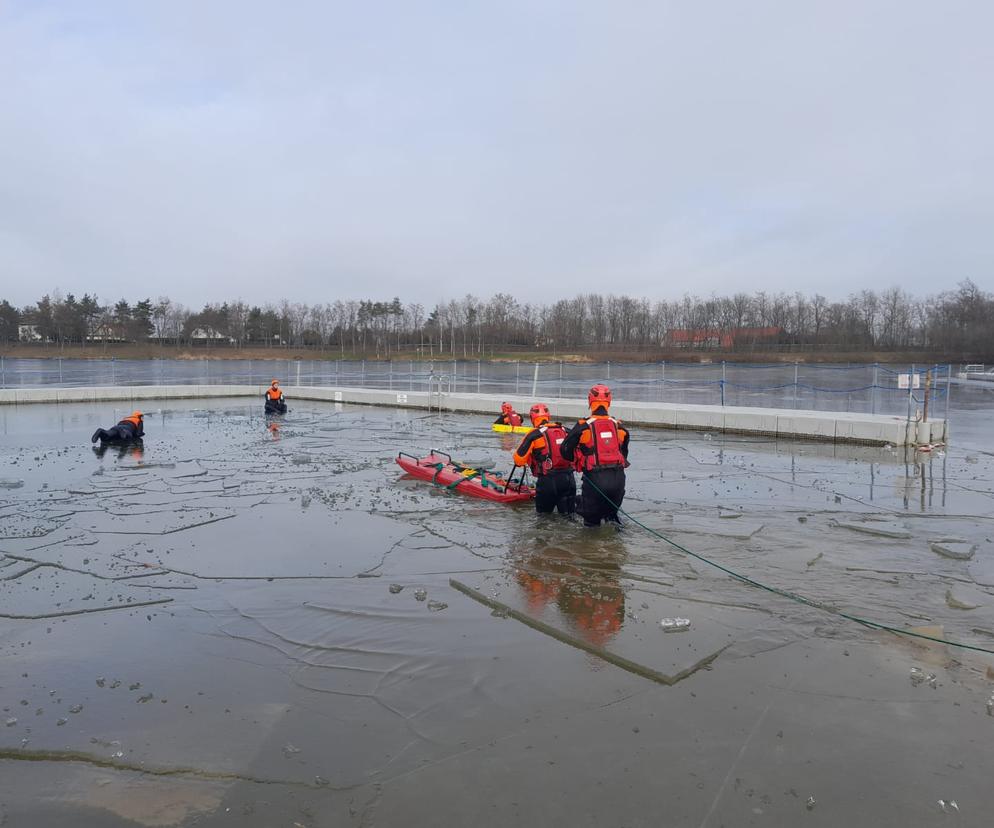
[
  {"x": 960, "y": 550},
  {"x": 883, "y": 529},
  {"x": 675, "y": 624}
]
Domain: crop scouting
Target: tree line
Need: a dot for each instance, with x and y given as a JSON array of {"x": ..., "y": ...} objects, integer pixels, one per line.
[{"x": 959, "y": 322}]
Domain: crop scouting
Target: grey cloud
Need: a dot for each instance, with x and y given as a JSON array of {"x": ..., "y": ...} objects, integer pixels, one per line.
[{"x": 331, "y": 150}]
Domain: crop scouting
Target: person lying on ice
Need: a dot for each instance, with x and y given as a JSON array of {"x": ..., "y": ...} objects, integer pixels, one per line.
[
  {"x": 129, "y": 429},
  {"x": 555, "y": 486},
  {"x": 508, "y": 416},
  {"x": 598, "y": 448},
  {"x": 275, "y": 404}
]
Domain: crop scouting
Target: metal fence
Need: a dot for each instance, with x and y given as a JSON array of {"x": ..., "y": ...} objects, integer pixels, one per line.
[{"x": 872, "y": 388}]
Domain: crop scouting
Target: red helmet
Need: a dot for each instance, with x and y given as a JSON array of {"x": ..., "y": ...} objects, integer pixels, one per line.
[
  {"x": 599, "y": 395},
  {"x": 539, "y": 414},
  {"x": 506, "y": 408}
]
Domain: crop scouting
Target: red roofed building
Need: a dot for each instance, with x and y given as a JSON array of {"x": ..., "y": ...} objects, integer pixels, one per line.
[{"x": 714, "y": 338}]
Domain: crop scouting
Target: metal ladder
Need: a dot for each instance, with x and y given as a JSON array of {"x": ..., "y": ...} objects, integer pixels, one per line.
[{"x": 438, "y": 387}]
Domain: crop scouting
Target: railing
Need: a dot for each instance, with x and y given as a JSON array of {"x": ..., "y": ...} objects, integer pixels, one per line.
[
  {"x": 872, "y": 388},
  {"x": 438, "y": 387}
]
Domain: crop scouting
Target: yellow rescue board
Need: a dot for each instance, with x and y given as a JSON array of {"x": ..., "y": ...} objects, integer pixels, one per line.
[{"x": 506, "y": 429}]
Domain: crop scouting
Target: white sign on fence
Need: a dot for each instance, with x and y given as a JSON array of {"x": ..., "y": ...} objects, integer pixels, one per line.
[{"x": 914, "y": 380}]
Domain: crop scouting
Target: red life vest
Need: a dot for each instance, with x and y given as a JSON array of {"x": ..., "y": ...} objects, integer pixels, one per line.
[
  {"x": 135, "y": 421},
  {"x": 514, "y": 419},
  {"x": 603, "y": 448},
  {"x": 274, "y": 394},
  {"x": 552, "y": 458}
]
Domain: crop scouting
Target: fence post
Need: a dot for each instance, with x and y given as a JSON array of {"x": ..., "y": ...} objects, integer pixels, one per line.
[
  {"x": 410, "y": 376},
  {"x": 662, "y": 384},
  {"x": 391, "y": 374},
  {"x": 721, "y": 383},
  {"x": 949, "y": 373},
  {"x": 911, "y": 397},
  {"x": 455, "y": 375},
  {"x": 560, "y": 379},
  {"x": 60, "y": 371},
  {"x": 517, "y": 373},
  {"x": 873, "y": 390},
  {"x": 535, "y": 382},
  {"x": 609, "y": 369},
  {"x": 113, "y": 371},
  {"x": 928, "y": 387},
  {"x": 479, "y": 364},
  {"x": 362, "y": 376},
  {"x": 795, "y": 384}
]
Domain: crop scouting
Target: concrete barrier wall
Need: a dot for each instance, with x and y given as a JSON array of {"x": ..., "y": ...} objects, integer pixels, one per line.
[
  {"x": 125, "y": 393},
  {"x": 865, "y": 429}
]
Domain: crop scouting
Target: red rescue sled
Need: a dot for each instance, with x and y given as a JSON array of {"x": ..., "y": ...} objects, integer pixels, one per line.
[{"x": 439, "y": 468}]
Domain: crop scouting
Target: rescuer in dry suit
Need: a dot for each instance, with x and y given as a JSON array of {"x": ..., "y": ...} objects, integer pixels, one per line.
[
  {"x": 555, "y": 486},
  {"x": 508, "y": 416},
  {"x": 127, "y": 430},
  {"x": 275, "y": 403},
  {"x": 598, "y": 448}
]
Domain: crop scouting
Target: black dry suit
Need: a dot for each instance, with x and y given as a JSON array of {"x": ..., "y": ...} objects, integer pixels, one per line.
[
  {"x": 275, "y": 402},
  {"x": 124, "y": 432}
]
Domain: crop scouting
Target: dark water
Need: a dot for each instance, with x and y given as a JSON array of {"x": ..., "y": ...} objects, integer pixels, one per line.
[{"x": 205, "y": 633}]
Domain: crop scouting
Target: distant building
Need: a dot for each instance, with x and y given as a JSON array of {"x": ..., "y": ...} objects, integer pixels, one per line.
[
  {"x": 29, "y": 333},
  {"x": 209, "y": 335},
  {"x": 715, "y": 338},
  {"x": 105, "y": 331}
]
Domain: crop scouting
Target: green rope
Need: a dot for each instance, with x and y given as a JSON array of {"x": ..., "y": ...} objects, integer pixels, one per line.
[
  {"x": 875, "y": 625},
  {"x": 438, "y": 470}
]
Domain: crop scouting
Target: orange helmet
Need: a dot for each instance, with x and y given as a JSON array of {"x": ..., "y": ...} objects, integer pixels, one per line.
[
  {"x": 506, "y": 408},
  {"x": 539, "y": 414},
  {"x": 599, "y": 395},
  {"x": 137, "y": 414},
  {"x": 275, "y": 382}
]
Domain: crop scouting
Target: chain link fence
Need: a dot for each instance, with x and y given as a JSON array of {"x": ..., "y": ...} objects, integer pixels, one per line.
[{"x": 872, "y": 388}]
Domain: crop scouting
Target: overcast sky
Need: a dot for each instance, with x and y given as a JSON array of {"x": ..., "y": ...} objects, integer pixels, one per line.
[{"x": 318, "y": 150}]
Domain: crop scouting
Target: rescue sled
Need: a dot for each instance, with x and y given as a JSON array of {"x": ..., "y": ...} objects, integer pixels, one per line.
[
  {"x": 439, "y": 468},
  {"x": 509, "y": 429}
]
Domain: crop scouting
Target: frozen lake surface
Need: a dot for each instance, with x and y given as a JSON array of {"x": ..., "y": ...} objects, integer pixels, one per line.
[
  {"x": 861, "y": 388},
  {"x": 210, "y": 631}
]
